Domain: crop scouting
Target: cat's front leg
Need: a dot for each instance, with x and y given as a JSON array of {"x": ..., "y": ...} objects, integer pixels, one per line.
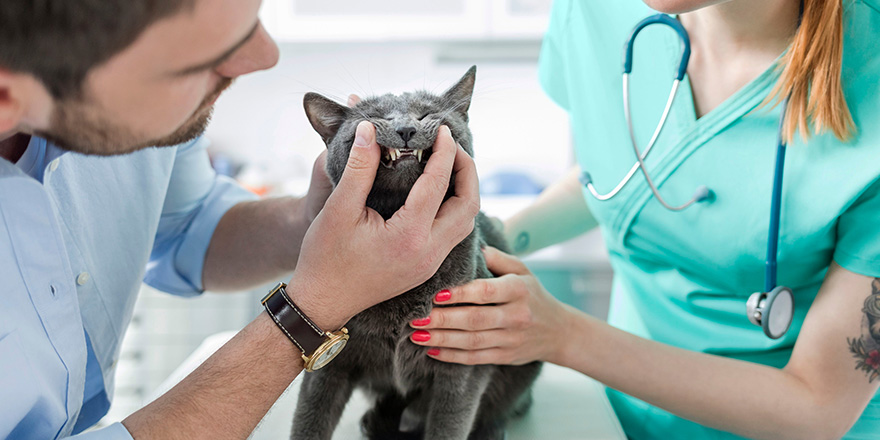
[
  {"x": 322, "y": 398},
  {"x": 455, "y": 398}
]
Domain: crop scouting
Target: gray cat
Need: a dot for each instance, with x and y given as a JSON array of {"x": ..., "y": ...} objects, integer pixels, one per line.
[{"x": 437, "y": 400}]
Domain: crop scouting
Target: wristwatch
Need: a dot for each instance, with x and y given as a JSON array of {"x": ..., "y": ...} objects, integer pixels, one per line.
[{"x": 318, "y": 347}]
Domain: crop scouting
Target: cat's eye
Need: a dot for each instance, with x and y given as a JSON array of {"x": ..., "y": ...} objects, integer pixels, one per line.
[{"x": 424, "y": 115}]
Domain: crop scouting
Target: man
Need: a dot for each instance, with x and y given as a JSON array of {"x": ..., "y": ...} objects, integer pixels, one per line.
[{"x": 88, "y": 211}]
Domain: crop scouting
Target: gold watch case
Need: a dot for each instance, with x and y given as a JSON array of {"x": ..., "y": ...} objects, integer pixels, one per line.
[{"x": 327, "y": 351}]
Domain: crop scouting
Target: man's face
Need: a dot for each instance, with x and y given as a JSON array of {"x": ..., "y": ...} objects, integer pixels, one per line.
[{"x": 161, "y": 90}]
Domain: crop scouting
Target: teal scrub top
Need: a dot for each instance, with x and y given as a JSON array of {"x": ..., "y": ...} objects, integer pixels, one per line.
[{"x": 683, "y": 278}]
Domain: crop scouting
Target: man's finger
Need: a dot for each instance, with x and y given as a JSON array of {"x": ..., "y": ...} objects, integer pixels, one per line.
[
  {"x": 427, "y": 193},
  {"x": 360, "y": 171},
  {"x": 456, "y": 215},
  {"x": 320, "y": 186},
  {"x": 500, "y": 263}
]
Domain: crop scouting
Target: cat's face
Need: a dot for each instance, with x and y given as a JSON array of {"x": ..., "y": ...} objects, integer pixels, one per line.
[{"x": 406, "y": 127}]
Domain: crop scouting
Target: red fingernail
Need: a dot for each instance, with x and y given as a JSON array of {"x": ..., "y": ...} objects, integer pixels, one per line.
[
  {"x": 422, "y": 322},
  {"x": 421, "y": 336},
  {"x": 444, "y": 295},
  {"x": 433, "y": 352}
]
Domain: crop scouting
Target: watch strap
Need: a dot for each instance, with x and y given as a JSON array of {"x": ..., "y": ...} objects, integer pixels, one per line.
[{"x": 293, "y": 322}]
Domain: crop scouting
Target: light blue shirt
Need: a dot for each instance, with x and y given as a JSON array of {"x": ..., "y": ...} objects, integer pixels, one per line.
[{"x": 78, "y": 235}]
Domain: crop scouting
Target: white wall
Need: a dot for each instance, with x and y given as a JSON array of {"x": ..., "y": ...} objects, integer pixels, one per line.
[{"x": 260, "y": 120}]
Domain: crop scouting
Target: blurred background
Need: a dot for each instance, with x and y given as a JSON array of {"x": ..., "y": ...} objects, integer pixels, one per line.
[{"x": 260, "y": 136}]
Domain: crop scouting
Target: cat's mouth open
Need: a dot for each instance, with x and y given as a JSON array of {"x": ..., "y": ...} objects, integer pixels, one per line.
[{"x": 391, "y": 157}]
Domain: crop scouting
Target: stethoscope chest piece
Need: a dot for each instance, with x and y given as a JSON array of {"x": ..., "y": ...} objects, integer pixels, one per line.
[{"x": 773, "y": 311}]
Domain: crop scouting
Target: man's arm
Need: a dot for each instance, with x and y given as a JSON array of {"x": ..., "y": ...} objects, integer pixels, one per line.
[
  {"x": 351, "y": 259},
  {"x": 245, "y": 249},
  {"x": 229, "y": 393}
]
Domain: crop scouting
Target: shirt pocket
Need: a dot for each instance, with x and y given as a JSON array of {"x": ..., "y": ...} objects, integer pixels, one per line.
[{"x": 28, "y": 407}]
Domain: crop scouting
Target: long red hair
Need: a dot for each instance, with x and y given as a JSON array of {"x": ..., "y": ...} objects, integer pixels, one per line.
[{"x": 811, "y": 75}]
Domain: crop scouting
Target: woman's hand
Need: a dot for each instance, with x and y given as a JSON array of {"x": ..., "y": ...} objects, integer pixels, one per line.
[{"x": 515, "y": 320}]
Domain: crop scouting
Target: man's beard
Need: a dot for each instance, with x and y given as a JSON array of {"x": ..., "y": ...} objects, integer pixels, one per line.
[{"x": 79, "y": 127}]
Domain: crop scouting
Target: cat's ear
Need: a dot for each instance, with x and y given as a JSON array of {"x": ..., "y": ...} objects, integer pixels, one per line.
[
  {"x": 459, "y": 96},
  {"x": 325, "y": 115}
]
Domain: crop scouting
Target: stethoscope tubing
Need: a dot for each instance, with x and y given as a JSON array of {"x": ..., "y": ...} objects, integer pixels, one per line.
[
  {"x": 759, "y": 304},
  {"x": 644, "y": 154},
  {"x": 776, "y": 205},
  {"x": 640, "y": 161}
]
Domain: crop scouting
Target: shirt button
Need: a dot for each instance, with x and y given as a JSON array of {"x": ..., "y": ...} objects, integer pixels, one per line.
[
  {"x": 53, "y": 290},
  {"x": 82, "y": 278},
  {"x": 53, "y": 165}
]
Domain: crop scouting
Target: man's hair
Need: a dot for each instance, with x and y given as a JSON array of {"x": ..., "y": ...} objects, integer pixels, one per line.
[{"x": 60, "y": 41}]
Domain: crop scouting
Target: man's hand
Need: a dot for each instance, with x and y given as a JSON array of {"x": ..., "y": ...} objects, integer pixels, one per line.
[
  {"x": 352, "y": 259},
  {"x": 320, "y": 188}
]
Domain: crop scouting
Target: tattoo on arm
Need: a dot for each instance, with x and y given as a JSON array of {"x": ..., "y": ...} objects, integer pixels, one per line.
[
  {"x": 522, "y": 242},
  {"x": 866, "y": 348}
]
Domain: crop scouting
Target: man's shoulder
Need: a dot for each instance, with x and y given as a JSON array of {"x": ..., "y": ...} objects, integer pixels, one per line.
[{"x": 10, "y": 170}]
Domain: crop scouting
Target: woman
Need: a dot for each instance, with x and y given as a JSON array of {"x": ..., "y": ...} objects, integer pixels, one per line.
[{"x": 678, "y": 355}]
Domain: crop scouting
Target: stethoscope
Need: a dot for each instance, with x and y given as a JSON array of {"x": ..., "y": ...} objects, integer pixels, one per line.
[{"x": 772, "y": 309}]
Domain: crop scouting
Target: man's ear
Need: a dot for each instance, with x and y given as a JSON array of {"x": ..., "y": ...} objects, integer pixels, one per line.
[
  {"x": 458, "y": 97},
  {"x": 324, "y": 114},
  {"x": 11, "y": 100},
  {"x": 24, "y": 102}
]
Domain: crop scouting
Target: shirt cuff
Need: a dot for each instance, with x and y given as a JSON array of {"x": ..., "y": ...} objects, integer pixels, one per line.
[
  {"x": 181, "y": 274},
  {"x": 115, "y": 431},
  {"x": 190, "y": 260},
  {"x": 869, "y": 267}
]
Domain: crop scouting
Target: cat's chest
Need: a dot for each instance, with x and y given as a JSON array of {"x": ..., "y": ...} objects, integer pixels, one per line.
[{"x": 390, "y": 320}]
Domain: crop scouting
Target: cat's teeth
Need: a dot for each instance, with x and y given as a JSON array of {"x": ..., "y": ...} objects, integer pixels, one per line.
[
  {"x": 419, "y": 155},
  {"x": 395, "y": 154}
]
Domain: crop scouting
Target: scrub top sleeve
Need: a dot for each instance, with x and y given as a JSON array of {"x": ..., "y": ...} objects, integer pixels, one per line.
[
  {"x": 551, "y": 63},
  {"x": 115, "y": 431},
  {"x": 858, "y": 234},
  {"x": 196, "y": 200}
]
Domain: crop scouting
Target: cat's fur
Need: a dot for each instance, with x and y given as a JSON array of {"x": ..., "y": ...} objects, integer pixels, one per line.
[{"x": 446, "y": 401}]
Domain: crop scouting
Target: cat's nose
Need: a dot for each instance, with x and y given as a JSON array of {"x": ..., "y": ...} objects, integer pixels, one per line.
[{"x": 406, "y": 133}]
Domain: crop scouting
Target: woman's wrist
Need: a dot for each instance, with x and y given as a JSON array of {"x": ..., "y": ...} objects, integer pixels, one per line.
[{"x": 573, "y": 337}]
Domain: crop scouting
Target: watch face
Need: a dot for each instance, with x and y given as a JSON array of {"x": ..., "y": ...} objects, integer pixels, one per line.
[{"x": 328, "y": 354}]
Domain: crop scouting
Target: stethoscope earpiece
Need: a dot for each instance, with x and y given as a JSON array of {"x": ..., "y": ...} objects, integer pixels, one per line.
[
  {"x": 703, "y": 194},
  {"x": 585, "y": 178}
]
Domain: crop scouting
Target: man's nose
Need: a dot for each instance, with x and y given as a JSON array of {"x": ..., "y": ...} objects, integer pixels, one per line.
[{"x": 259, "y": 53}]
